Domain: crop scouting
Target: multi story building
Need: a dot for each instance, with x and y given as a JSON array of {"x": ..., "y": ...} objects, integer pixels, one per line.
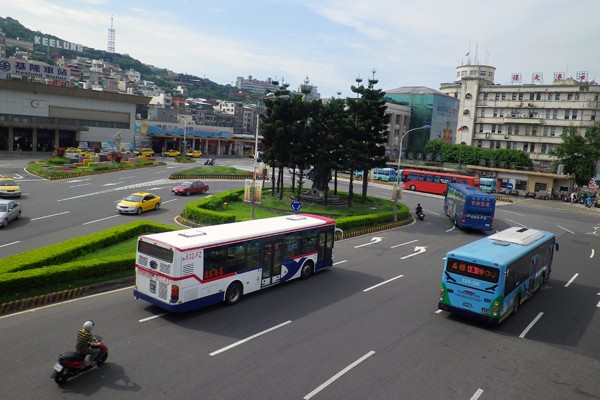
[
  {"x": 528, "y": 117},
  {"x": 255, "y": 86}
]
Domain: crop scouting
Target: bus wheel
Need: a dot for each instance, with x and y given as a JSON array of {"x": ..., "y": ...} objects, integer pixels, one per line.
[
  {"x": 307, "y": 270},
  {"x": 455, "y": 222},
  {"x": 413, "y": 188},
  {"x": 516, "y": 305},
  {"x": 234, "y": 293}
]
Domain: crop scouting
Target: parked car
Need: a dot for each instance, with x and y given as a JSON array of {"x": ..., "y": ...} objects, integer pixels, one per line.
[
  {"x": 9, "y": 188},
  {"x": 9, "y": 210},
  {"x": 139, "y": 202},
  {"x": 190, "y": 187},
  {"x": 172, "y": 153},
  {"x": 194, "y": 153},
  {"x": 144, "y": 151}
]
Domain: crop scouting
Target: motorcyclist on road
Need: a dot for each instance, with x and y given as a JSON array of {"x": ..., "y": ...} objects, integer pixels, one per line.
[
  {"x": 84, "y": 347},
  {"x": 419, "y": 209}
]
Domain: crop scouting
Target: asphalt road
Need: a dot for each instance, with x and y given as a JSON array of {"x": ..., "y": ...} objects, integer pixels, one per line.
[{"x": 367, "y": 329}]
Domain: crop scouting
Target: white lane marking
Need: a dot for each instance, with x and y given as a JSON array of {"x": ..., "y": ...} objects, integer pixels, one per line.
[
  {"x": 338, "y": 375},
  {"x": 168, "y": 201},
  {"x": 439, "y": 311},
  {"x": 373, "y": 241},
  {"x": 112, "y": 184},
  {"x": 48, "y": 216},
  {"x": 536, "y": 319},
  {"x": 83, "y": 184},
  {"x": 101, "y": 219},
  {"x": 451, "y": 229},
  {"x": 592, "y": 255},
  {"x": 8, "y": 244},
  {"x": 127, "y": 177},
  {"x": 478, "y": 393},
  {"x": 566, "y": 229},
  {"x": 571, "y": 280},
  {"x": 515, "y": 222},
  {"x": 598, "y": 305},
  {"x": 340, "y": 262},
  {"x": 418, "y": 250},
  {"x": 214, "y": 353},
  {"x": 382, "y": 283},
  {"x": 152, "y": 317},
  {"x": 403, "y": 244},
  {"x": 66, "y": 302},
  {"x": 512, "y": 212}
]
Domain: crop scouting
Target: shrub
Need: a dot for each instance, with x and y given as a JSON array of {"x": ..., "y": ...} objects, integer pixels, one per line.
[{"x": 59, "y": 152}]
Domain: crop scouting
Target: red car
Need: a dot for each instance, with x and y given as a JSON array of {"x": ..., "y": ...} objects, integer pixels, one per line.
[{"x": 190, "y": 187}]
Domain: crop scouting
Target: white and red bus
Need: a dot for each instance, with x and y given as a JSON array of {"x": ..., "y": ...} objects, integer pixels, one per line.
[
  {"x": 193, "y": 268},
  {"x": 434, "y": 182}
]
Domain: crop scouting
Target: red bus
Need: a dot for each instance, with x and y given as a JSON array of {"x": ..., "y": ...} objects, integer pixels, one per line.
[{"x": 434, "y": 182}]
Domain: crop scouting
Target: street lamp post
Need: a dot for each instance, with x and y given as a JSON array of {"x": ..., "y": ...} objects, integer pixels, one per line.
[
  {"x": 184, "y": 150},
  {"x": 399, "y": 160}
]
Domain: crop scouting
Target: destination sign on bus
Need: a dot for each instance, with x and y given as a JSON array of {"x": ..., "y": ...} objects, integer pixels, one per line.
[{"x": 472, "y": 270}]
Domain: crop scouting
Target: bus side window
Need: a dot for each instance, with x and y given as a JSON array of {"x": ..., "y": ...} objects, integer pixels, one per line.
[
  {"x": 292, "y": 245},
  {"x": 253, "y": 254},
  {"x": 236, "y": 258},
  {"x": 309, "y": 241}
]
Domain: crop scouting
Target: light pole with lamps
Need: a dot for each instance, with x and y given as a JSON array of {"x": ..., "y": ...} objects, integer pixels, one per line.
[
  {"x": 397, "y": 174},
  {"x": 184, "y": 150}
]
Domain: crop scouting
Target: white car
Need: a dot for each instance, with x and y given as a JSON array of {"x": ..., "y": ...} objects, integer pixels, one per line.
[{"x": 9, "y": 210}]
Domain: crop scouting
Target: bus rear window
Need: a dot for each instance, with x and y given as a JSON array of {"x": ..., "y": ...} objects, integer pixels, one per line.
[
  {"x": 473, "y": 270},
  {"x": 155, "y": 251}
]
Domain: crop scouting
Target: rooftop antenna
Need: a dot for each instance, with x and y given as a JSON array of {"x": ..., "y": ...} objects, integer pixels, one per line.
[{"x": 111, "y": 37}]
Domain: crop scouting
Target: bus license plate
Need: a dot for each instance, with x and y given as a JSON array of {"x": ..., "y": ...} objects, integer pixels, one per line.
[
  {"x": 58, "y": 367},
  {"x": 469, "y": 305}
]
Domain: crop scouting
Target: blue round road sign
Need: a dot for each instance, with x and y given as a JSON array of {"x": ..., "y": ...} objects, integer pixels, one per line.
[
  {"x": 296, "y": 205},
  {"x": 509, "y": 186}
]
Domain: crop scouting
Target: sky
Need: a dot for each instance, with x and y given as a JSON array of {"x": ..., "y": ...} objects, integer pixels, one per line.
[{"x": 331, "y": 43}]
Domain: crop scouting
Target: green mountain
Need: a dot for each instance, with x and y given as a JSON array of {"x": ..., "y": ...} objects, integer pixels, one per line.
[{"x": 197, "y": 87}]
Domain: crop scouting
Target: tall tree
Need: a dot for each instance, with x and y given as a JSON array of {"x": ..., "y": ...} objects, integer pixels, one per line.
[{"x": 579, "y": 154}]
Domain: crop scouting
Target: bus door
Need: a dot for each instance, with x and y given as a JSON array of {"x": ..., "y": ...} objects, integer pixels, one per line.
[
  {"x": 325, "y": 248},
  {"x": 271, "y": 262},
  {"x": 533, "y": 267}
]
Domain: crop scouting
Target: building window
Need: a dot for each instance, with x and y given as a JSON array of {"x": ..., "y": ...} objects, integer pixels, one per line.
[
  {"x": 550, "y": 96},
  {"x": 534, "y": 113},
  {"x": 553, "y": 131},
  {"x": 468, "y": 96},
  {"x": 493, "y": 128},
  {"x": 576, "y": 96},
  {"x": 503, "y": 96},
  {"x": 482, "y": 74},
  {"x": 466, "y": 112},
  {"x": 550, "y": 147},
  {"x": 479, "y": 143},
  {"x": 485, "y": 96},
  {"x": 547, "y": 114},
  {"x": 531, "y": 96},
  {"x": 520, "y": 96},
  {"x": 546, "y": 130},
  {"x": 480, "y": 128},
  {"x": 514, "y": 96},
  {"x": 593, "y": 117},
  {"x": 499, "y": 128},
  {"x": 527, "y": 130},
  {"x": 491, "y": 144},
  {"x": 497, "y": 96},
  {"x": 543, "y": 150},
  {"x": 501, "y": 113},
  {"x": 508, "y": 145},
  {"x": 498, "y": 144},
  {"x": 555, "y": 114},
  {"x": 567, "y": 114},
  {"x": 516, "y": 130},
  {"x": 569, "y": 96},
  {"x": 538, "y": 96},
  {"x": 574, "y": 114},
  {"x": 482, "y": 113},
  {"x": 532, "y": 148},
  {"x": 557, "y": 96},
  {"x": 510, "y": 129},
  {"x": 525, "y": 147},
  {"x": 495, "y": 112}
]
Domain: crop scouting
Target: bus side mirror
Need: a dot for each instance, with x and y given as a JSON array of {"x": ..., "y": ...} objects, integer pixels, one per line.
[{"x": 556, "y": 246}]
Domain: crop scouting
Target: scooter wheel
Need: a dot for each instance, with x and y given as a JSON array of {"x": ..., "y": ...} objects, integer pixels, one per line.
[
  {"x": 102, "y": 360},
  {"x": 61, "y": 378}
]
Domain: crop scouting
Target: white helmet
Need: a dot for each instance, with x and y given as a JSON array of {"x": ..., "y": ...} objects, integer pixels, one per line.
[{"x": 88, "y": 325}]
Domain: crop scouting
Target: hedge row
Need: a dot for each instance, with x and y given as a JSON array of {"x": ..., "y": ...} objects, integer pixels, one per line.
[
  {"x": 209, "y": 210},
  {"x": 54, "y": 263}
]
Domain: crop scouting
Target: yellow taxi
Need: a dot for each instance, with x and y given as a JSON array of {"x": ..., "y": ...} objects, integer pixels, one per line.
[
  {"x": 9, "y": 188},
  {"x": 144, "y": 151},
  {"x": 172, "y": 153},
  {"x": 139, "y": 202},
  {"x": 194, "y": 153}
]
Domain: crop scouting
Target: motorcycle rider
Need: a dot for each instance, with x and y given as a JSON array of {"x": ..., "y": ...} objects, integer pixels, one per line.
[
  {"x": 84, "y": 347},
  {"x": 419, "y": 209}
]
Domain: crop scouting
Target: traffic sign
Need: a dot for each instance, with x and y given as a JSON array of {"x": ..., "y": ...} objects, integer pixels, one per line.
[
  {"x": 296, "y": 205},
  {"x": 509, "y": 186}
]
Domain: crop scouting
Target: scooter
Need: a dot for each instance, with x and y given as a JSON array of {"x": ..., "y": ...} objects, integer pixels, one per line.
[
  {"x": 420, "y": 215},
  {"x": 71, "y": 364},
  {"x": 210, "y": 161}
]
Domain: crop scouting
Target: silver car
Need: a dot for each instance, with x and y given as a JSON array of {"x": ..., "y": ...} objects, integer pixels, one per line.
[{"x": 9, "y": 210}]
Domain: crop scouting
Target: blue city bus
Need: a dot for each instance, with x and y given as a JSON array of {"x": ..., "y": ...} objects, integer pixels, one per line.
[
  {"x": 469, "y": 207},
  {"x": 487, "y": 185},
  {"x": 489, "y": 279},
  {"x": 384, "y": 174}
]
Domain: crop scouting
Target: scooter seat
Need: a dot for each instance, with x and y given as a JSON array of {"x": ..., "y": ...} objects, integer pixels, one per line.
[{"x": 71, "y": 356}]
